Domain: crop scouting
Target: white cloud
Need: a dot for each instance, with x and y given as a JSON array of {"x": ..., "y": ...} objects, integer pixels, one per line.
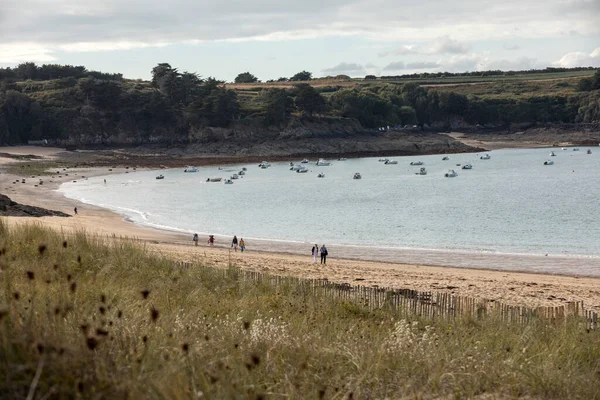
[
  {"x": 395, "y": 66},
  {"x": 579, "y": 59},
  {"x": 351, "y": 69},
  {"x": 14, "y": 54},
  {"x": 422, "y": 65},
  {"x": 511, "y": 46},
  {"x": 145, "y": 23},
  {"x": 447, "y": 45}
]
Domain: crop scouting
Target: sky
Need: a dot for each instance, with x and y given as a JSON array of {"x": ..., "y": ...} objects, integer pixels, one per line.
[{"x": 275, "y": 38}]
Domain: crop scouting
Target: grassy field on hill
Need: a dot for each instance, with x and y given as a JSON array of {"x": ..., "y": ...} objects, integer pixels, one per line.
[{"x": 85, "y": 317}]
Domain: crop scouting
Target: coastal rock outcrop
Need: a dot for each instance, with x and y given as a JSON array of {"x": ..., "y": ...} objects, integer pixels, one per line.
[{"x": 9, "y": 208}]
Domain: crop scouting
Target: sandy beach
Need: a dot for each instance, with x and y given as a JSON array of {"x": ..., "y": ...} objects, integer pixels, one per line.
[{"x": 517, "y": 288}]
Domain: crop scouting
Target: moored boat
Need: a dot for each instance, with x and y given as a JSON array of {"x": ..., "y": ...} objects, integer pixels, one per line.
[
  {"x": 548, "y": 162},
  {"x": 214, "y": 179},
  {"x": 391, "y": 162},
  {"x": 234, "y": 176},
  {"x": 485, "y": 157},
  {"x": 323, "y": 163},
  {"x": 450, "y": 174},
  {"x": 589, "y": 151},
  {"x": 445, "y": 158},
  {"x": 228, "y": 182},
  {"x": 305, "y": 161},
  {"x": 342, "y": 159},
  {"x": 383, "y": 159},
  {"x": 552, "y": 154},
  {"x": 161, "y": 176},
  {"x": 416, "y": 163},
  {"x": 191, "y": 169},
  {"x": 467, "y": 166},
  {"x": 422, "y": 171},
  {"x": 321, "y": 175},
  {"x": 264, "y": 164},
  {"x": 302, "y": 170},
  {"x": 357, "y": 176}
]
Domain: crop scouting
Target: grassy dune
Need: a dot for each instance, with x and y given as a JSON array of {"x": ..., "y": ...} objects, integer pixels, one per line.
[{"x": 86, "y": 317}]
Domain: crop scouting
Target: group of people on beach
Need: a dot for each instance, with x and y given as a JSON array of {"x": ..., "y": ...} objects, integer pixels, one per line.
[
  {"x": 315, "y": 253},
  {"x": 211, "y": 241},
  {"x": 235, "y": 243}
]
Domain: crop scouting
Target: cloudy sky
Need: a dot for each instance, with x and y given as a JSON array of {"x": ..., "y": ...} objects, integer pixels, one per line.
[{"x": 272, "y": 38}]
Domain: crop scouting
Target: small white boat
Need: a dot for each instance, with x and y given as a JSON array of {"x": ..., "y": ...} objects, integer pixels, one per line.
[
  {"x": 291, "y": 164},
  {"x": 384, "y": 159},
  {"x": 241, "y": 173},
  {"x": 446, "y": 158},
  {"x": 191, "y": 169},
  {"x": 548, "y": 162},
  {"x": 244, "y": 169},
  {"x": 214, "y": 179},
  {"x": 302, "y": 170},
  {"x": 422, "y": 171},
  {"x": 323, "y": 163},
  {"x": 552, "y": 154},
  {"x": 342, "y": 159},
  {"x": 161, "y": 176},
  {"x": 305, "y": 161},
  {"x": 234, "y": 176},
  {"x": 357, "y": 176},
  {"x": 228, "y": 182},
  {"x": 390, "y": 162},
  {"x": 296, "y": 167},
  {"x": 575, "y": 149},
  {"x": 589, "y": 151},
  {"x": 485, "y": 157},
  {"x": 416, "y": 163},
  {"x": 450, "y": 174},
  {"x": 564, "y": 148},
  {"x": 467, "y": 166},
  {"x": 264, "y": 165},
  {"x": 321, "y": 175}
]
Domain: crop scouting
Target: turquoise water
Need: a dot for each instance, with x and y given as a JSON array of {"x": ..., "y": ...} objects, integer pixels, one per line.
[{"x": 510, "y": 204}]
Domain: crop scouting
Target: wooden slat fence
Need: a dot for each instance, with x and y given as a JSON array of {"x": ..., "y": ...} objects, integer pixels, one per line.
[{"x": 413, "y": 302}]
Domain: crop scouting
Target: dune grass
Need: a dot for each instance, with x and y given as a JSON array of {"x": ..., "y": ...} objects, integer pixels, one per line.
[{"x": 86, "y": 317}]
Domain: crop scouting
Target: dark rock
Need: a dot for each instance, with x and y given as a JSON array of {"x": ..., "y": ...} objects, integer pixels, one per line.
[{"x": 9, "y": 208}]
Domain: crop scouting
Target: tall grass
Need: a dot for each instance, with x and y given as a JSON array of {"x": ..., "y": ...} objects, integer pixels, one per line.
[{"x": 94, "y": 318}]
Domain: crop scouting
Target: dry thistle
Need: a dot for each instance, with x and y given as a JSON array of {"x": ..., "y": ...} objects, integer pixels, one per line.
[
  {"x": 16, "y": 295},
  {"x": 101, "y": 332},
  {"x": 145, "y": 293},
  {"x": 42, "y": 248},
  {"x": 154, "y": 314},
  {"x": 73, "y": 287},
  {"x": 185, "y": 347},
  {"x": 30, "y": 275},
  {"x": 65, "y": 244},
  {"x": 92, "y": 343},
  {"x": 102, "y": 298},
  {"x": 102, "y": 310},
  {"x": 246, "y": 325}
]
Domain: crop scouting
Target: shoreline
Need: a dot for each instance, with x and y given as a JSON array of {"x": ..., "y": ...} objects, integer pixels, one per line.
[{"x": 506, "y": 283}]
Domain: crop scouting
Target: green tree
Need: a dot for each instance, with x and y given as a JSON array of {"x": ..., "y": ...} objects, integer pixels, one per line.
[
  {"x": 370, "y": 78},
  {"x": 308, "y": 100},
  {"x": 278, "y": 106},
  {"x": 246, "y": 77},
  {"x": 302, "y": 76}
]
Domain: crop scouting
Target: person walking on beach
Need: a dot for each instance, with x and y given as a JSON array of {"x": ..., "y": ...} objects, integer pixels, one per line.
[
  {"x": 195, "y": 239},
  {"x": 242, "y": 245},
  {"x": 211, "y": 240},
  {"x": 324, "y": 254},
  {"x": 315, "y": 253},
  {"x": 75, "y": 210},
  {"x": 234, "y": 243}
]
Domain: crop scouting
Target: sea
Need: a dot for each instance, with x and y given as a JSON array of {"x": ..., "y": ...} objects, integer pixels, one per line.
[{"x": 509, "y": 212}]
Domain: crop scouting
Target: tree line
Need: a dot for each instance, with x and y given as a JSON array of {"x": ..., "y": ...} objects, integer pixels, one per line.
[{"x": 175, "y": 103}]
